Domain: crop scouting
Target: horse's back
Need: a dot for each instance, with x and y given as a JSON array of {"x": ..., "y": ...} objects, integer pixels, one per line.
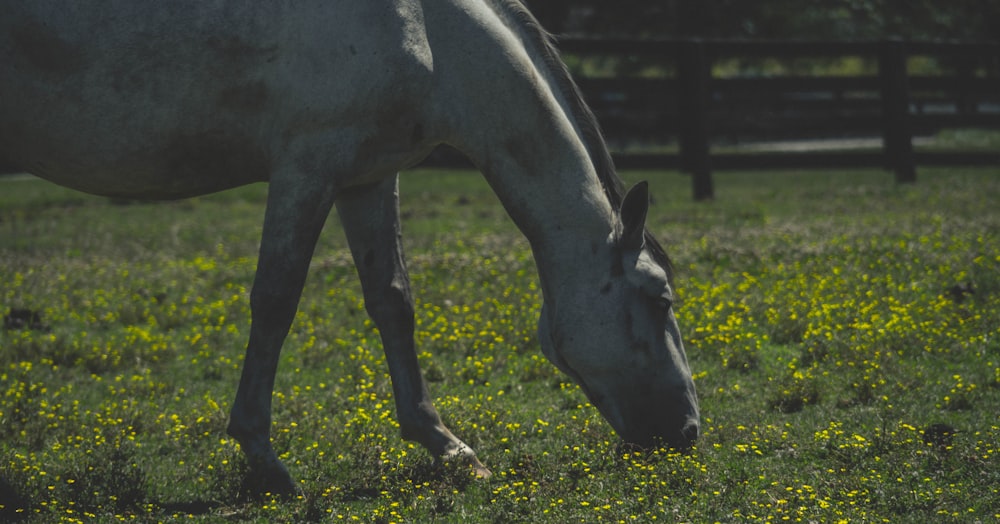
[{"x": 172, "y": 99}]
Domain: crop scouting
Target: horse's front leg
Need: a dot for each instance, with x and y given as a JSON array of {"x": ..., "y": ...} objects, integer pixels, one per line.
[
  {"x": 370, "y": 218},
  {"x": 292, "y": 223}
]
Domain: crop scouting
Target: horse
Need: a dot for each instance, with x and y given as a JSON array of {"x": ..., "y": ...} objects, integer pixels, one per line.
[{"x": 327, "y": 101}]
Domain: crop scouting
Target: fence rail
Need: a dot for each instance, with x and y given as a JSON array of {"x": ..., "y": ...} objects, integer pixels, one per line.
[
  {"x": 892, "y": 103},
  {"x": 695, "y": 109}
]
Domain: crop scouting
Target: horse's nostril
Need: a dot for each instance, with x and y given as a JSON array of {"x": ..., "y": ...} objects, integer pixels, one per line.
[{"x": 690, "y": 432}]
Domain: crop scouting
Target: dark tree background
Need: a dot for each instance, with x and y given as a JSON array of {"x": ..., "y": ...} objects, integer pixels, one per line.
[{"x": 964, "y": 20}]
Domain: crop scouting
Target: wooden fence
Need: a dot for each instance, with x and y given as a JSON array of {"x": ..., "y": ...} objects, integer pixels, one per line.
[{"x": 694, "y": 109}]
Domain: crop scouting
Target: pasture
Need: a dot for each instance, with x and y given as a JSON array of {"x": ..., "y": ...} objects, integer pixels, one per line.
[{"x": 844, "y": 333}]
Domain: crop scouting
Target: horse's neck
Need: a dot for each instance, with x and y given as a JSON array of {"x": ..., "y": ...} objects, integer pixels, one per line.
[
  {"x": 507, "y": 113},
  {"x": 561, "y": 209},
  {"x": 538, "y": 165}
]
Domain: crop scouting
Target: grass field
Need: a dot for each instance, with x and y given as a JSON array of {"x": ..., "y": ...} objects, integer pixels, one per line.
[{"x": 844, "y": 333}]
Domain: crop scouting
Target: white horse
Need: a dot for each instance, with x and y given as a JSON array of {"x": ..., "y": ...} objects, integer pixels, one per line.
[{"x": 327, "y": 100}]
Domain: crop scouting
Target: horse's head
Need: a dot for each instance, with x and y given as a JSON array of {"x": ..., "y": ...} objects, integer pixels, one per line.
[{"x": 615, "y": 334}]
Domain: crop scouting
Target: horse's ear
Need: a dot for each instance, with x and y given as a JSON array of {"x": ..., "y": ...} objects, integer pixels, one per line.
[{"x": 633, "y": 216}]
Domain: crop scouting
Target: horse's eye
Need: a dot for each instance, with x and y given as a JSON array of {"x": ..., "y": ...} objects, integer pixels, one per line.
[{"x": 664, "y": 303}]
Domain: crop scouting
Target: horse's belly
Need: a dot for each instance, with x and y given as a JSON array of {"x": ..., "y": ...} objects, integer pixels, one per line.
[
  {"x": 111, "y": 102},
  {"x": 172, "y": 99},
  {"x": 185, "y": 167},
  {"x": 122, "y": 151}
]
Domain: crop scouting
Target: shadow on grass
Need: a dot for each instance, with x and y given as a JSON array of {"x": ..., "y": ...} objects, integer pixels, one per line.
[
  {"x": 14, "y": 507},
  {"x": 196, "y": 507}
]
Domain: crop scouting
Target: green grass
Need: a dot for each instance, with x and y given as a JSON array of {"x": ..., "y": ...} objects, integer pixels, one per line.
[{"x": 826, "y": 316}]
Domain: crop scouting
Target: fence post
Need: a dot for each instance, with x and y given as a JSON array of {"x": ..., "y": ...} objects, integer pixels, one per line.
[
  {"x": 693, "y": 75},
  {"x": 966, "y": 102},
  {"x": 897, "y": 134}
]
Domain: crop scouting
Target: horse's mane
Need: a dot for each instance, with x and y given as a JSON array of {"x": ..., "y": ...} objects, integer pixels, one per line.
[{"x": 526, "y": 25}]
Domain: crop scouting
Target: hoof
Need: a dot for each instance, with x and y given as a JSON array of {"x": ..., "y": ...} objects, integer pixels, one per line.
[
  {"x": 466, "y": 457},
  {"x": 271, "y": 481},
  {"x": 479, "y": 470}
]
